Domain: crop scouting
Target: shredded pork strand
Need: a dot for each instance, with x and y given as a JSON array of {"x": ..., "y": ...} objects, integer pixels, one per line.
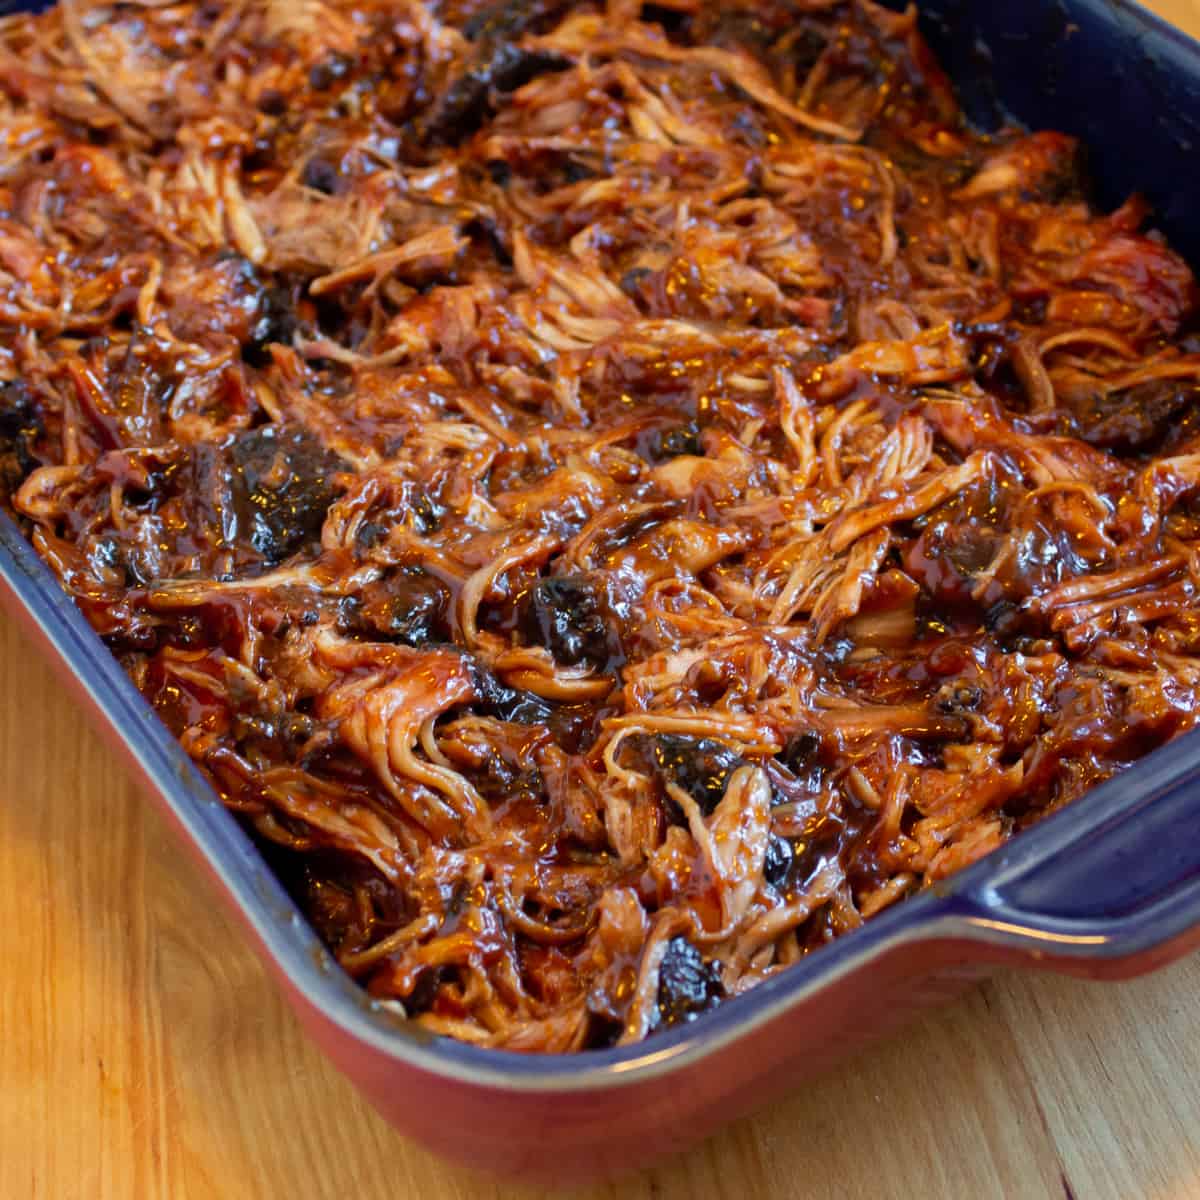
[{"x": 611, "y": 497}]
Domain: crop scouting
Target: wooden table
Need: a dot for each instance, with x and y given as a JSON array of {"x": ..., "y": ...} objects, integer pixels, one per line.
[{"x": 143, "y": 1052}]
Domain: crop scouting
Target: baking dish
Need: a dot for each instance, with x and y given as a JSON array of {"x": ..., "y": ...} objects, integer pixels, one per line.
[{"x": 1108, "y": 887}]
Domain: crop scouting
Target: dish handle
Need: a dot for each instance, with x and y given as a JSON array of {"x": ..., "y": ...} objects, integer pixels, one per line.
[{"x": 1111, "y": 890}]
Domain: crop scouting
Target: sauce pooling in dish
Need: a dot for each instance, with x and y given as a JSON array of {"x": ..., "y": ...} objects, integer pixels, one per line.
[{"x": 616, "y": 497}]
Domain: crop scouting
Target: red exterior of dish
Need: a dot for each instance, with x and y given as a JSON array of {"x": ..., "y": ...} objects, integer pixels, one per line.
[{"x": 563, "y": 1138}]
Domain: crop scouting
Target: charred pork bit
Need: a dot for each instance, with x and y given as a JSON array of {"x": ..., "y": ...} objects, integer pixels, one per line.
[
  {"x": 687, "y": 985},
  {"x": 470, "y": 99},
  {"x": 282, "y": 488},
  {"x": 778, "y": 862},
  {"x": 20, "y": 426},
  {"x": 567, "y": 620},
  {"x": 702, "y": 767}
]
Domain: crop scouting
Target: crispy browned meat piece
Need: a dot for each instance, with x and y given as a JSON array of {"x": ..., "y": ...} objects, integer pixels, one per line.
[{"x": 615, "y": 497}]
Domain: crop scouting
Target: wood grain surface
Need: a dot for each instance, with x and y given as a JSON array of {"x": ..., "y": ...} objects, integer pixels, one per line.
[{"x": 144, "y": 1053}]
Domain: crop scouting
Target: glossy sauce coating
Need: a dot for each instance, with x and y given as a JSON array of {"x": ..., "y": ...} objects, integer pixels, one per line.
[{"x": 614, "y": 498}]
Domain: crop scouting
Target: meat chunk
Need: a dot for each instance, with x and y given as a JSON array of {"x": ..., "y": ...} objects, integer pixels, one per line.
[
  {"x": 702, "y": 767},
  {"x": 470, "y": 99},
  {"x": 282, "y": 488},
  {"x": 566, "y": 615},
  {"x": 20, "y": 426},
  {"x": 1136, "y": 419},
  {"x": 687, "y": 985}
]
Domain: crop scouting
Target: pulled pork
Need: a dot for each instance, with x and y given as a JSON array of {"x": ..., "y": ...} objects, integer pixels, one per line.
[{"x": 612, "y": 498}]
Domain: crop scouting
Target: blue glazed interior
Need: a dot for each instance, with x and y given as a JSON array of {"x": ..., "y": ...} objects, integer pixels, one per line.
[
  {"x": 1110, "y": 73},
  {"x": 1110, "y": 876}
]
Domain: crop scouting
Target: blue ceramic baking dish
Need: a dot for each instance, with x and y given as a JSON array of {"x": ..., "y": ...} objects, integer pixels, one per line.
[{"x": 1108, "y": 887}]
